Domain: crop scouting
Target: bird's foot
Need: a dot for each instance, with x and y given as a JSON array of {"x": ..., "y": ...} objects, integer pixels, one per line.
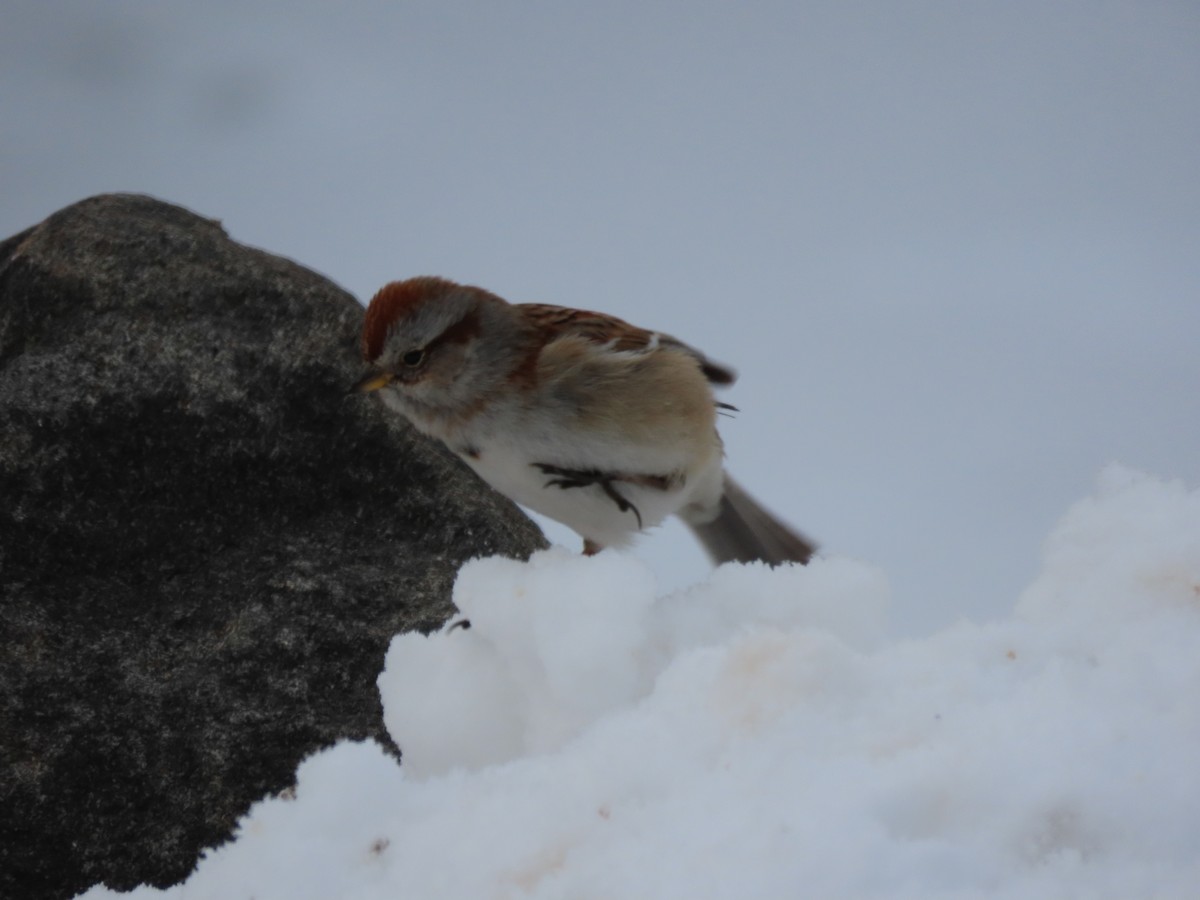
[{"x": 574, "y": 478}]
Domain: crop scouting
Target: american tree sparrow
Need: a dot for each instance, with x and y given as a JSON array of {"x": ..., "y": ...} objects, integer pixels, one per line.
[{"x": 603, "y": 426}]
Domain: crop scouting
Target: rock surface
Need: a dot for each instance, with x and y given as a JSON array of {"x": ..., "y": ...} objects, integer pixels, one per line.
[{"x": 205, "y": 543}]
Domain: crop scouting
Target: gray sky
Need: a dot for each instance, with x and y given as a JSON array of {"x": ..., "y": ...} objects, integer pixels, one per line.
[{"x": 953, "y": 248}]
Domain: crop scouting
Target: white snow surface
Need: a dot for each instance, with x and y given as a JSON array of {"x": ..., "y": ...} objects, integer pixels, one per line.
[{"x": 762, "y": 735}]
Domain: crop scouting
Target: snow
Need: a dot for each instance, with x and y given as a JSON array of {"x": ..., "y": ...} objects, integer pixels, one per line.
[{"x": 761, "y": 734}]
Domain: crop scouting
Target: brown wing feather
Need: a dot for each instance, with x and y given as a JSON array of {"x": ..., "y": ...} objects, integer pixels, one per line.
[{"x": 600, "y": 328}]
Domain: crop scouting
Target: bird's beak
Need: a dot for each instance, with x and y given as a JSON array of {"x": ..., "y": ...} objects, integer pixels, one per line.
[{"x": 372, "y": 381}]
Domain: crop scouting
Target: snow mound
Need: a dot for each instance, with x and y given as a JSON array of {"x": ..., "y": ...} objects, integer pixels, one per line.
[{"x": 759, "y": 735}]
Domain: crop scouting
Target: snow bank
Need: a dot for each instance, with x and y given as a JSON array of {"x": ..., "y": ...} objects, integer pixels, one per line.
[{"x": 759, "y": 735}]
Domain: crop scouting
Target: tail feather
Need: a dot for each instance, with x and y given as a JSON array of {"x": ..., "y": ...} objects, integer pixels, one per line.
[{"x": 744, "y": 531}]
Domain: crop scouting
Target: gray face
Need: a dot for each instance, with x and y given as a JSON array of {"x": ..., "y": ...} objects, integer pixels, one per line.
[
  {"x": 428, "y": 353},
  {"x": 429, "y": 344},
  {"x": 452, "y": 353}
]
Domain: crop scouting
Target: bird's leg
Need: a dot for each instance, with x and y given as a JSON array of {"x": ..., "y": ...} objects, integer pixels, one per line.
[{"x": 573, "y": 478}]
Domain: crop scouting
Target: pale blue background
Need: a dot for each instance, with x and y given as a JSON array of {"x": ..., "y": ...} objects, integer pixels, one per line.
[{"x": 952, "y": 247}]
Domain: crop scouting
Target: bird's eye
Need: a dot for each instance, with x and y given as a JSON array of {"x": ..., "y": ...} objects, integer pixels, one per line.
[{"x": 413, "y": 358}]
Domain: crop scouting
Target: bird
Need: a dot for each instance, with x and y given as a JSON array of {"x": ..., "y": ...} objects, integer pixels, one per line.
[{"x": 598, "y": 424}]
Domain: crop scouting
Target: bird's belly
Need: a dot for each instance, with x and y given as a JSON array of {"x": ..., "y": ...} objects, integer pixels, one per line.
[{"x": 589, "y": 509}]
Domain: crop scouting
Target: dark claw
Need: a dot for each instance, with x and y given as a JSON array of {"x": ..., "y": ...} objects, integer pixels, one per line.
[
  {"x": 567, "y": 483},
  {"x": 573, "y": 478},
  {"x": 622, "y": 504}
]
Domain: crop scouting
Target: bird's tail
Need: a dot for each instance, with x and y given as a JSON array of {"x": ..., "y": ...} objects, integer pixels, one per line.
[{"x": 744, "y": 531}]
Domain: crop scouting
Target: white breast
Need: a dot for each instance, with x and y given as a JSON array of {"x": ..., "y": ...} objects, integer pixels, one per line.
[
  {"x": 588, "y": 510},
  {"x": 631, "y": 416}
]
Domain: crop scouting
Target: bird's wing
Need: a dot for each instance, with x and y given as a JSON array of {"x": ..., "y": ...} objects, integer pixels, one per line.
[{"x": 617, "y": 334}]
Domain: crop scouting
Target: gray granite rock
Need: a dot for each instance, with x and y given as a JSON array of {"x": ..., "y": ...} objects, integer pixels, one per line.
[{"x": 205, "y": 542}]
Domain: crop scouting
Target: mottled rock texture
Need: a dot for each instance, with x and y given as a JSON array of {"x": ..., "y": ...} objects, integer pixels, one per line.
[{"x": 205, "y": 542}]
